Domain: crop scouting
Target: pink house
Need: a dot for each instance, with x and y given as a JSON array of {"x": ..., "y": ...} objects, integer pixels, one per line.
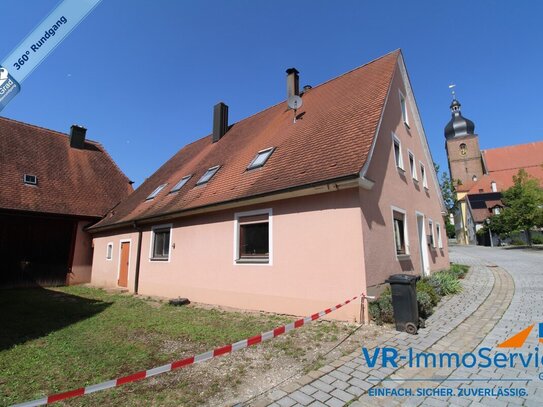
[{"x": 286, "y": 215}]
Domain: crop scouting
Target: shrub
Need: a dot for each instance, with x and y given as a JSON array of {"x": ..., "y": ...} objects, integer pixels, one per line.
[
  {"x": 537, "y": 240},
  {"x": 424, "y": 286},
  {"x": 459, "y": 270},
  {"x": 517, "y": 242},
  {"x": 426, "y": 307},
  {"x": 381, "y": 310},
  {"x": 448, "y": 282}
]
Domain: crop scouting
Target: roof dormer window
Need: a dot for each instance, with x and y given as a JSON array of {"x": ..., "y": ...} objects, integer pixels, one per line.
[
  {"x": 156, "y": 192},
  {"x": 30, "y": 179},
  {"x": 261, "y": 158},
  {"x": 180, "y": 184},
  {"x": 208, "y": 175}
]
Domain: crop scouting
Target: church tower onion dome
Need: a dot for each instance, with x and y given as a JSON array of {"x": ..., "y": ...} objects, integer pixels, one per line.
[{"x": 458, "y": 125}]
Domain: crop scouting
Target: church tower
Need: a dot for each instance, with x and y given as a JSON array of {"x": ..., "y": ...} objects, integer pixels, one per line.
[{"x": 463, "y": 152}]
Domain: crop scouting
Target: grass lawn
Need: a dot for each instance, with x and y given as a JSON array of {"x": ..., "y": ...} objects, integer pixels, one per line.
[{"x": 54, "y": 340}]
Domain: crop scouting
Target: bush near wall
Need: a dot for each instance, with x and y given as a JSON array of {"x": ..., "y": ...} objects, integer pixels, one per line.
[{"x": 430, "y": 290}]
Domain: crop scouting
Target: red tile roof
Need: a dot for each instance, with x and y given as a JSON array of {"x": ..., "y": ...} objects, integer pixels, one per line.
[
  {"x": 332, "y": 139},
  {"x": 514, "y": 157},
  {"x": 503, "y": 179},
  {"x": 80, "y": 182}
]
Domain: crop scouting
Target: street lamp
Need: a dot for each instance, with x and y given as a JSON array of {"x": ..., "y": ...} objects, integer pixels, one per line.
[{"x": 487, "y": 221}]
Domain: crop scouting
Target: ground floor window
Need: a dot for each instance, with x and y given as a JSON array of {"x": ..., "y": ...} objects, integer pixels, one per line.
[
  {"x": 253, "y": 238},
  {"x": 161, "y": 243},
  {"x": 109, "y": 251},
  {"x": 400, "y": 232},
  {"x": 439, "y": 240}
]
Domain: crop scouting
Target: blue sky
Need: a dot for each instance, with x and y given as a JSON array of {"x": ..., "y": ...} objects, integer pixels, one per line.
[{"x": 143, "y": 76}]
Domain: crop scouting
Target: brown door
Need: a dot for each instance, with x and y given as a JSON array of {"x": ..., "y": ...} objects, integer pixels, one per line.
[{"x": 123, "y": 272}]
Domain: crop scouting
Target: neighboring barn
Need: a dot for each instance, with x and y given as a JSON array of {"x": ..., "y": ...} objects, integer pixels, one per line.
[
  {"x": 51, "y": 187},
  {"x": 284, "y": 215}
]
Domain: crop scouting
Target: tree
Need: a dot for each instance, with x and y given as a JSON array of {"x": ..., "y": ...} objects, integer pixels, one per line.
[
  {"x": 523, "y": 207},
  {"x": 449, "y": 198}
]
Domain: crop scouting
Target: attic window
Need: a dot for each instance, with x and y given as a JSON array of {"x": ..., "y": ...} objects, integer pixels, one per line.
[
  {"x": 156, "y": 192},
  {"x": 30, "y": 179},
  {"x": 208, "y": 175},
  {"x": 181, "y": 183},
  {"x": 261, "y": 158}
]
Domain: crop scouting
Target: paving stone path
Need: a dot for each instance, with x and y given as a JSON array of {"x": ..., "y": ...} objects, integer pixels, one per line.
[{"x": 501, "y": 296}]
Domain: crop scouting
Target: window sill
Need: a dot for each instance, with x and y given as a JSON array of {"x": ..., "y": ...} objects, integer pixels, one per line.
[
  {"x": 415, "y": 180},
  {"x": 159, "y": 258},
  {"x": 401, "y": 169},
  {"x": 252, "y": 261},
  {"x": 406, "y": 124},
  {"x": 403, "y": 256}
]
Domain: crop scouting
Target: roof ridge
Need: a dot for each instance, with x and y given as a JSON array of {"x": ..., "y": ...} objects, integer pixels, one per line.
[
  {"x": 511, "y": 146},
  {"x": 397, "y": 50},
  {"x": 59, "y": 133}
]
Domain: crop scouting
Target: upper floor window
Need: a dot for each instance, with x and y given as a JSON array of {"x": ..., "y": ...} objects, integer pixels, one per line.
[
  {"x": 208, "y": 175},
  {"x": 403, "y": 106},
  {"x": 261, "y": 158},
  {"x": 463, "y": 149},
  {"x": 398, "y": 159},
  {"x": 423, "y": 176},
  {"x": 413, "y": 166}
]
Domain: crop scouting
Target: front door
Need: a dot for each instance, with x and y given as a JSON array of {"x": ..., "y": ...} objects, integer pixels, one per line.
[
  {"x": 123, "y": 270},
  {"x": 422, "y": 245}
]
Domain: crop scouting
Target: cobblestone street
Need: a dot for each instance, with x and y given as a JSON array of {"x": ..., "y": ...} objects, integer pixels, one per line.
[{"x": 501, "y": 296}]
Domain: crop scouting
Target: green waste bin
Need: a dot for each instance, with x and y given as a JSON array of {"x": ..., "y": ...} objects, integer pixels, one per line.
[{"x": 404, "y": 302}]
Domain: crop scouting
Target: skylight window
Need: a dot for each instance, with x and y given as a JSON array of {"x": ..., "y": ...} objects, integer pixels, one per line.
[
  {"x": 261, "y": 158},
  {"x": 30, "y": 179},
  {"x": 208, "y": 175},
  {"x": 181, "y": 183},
  {"x": 156, "y": 192}
]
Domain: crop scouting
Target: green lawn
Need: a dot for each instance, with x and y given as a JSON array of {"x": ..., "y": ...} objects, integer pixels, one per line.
[{"x": 54, "y": 340}]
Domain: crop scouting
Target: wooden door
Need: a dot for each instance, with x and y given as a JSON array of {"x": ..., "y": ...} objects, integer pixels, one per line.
[{"x": 123, "y": 271}]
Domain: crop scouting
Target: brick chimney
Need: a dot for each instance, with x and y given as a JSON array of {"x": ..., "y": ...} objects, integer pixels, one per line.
[
  {"x": 77, "y": 136},
  {"x": 220, "y": 121}
]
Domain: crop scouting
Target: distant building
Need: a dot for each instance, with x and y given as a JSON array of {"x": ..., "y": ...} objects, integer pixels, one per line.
[
  {"x": 52, "y": 186},
  {"x": 284, "y": 215},
  {"x": 480, "y": 176}
]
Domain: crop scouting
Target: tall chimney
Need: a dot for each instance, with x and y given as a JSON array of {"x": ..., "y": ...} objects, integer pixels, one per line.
[
  {"x": 293, "y": 85},
  {"x": 220, "y": 121},
  {"x": 77, "y": 136}
]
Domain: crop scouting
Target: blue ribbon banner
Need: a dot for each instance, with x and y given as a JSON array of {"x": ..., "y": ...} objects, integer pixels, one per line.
[{"x": 39, "y": 44}]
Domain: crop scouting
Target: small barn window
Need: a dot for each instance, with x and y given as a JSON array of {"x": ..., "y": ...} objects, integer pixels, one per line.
[
  {"x": 413, "y": 166},
  {"x": 109, "y": 251},
  {"x": 403, "y": 106},
  {"x": 423, "y": 176},
  {"x": 30, "y": 179},
  {"x": 398, "y": 159}
]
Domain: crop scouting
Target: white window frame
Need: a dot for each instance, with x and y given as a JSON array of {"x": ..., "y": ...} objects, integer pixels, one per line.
[
  {"x": 439, "y": 238},
  {"x": 404, "y": 108},
  {"x": 152, "y": 243},
  {"x": 398, "y": 160},
  {"x": 405, "y": 233},
  {"x": 413, "y": 167},
  {"x": 27, "y": 181},
  {"x": 109, "y": 251},
  {"x": 180, "y": 184},
  {"x": 237, "y": 216},
  {"x": 423, "y": 175},
  {"x": 432, "y": 234}
]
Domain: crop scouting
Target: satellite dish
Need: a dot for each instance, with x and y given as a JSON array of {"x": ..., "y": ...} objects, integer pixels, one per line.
[{"x": 295, "y": 102}]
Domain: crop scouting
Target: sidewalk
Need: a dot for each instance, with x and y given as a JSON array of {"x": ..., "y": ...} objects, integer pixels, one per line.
[{"x": 459, "y": 324}]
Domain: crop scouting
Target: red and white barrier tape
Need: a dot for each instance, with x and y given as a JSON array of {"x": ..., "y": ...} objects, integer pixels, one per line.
[{"x": 202, "y": 357}]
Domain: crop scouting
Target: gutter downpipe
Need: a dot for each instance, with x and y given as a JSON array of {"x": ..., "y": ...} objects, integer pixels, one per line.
[{"x": 138, "y": 258}]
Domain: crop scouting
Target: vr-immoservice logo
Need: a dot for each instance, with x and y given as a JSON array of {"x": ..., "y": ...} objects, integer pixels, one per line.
[{"x": 4, "y": 75}]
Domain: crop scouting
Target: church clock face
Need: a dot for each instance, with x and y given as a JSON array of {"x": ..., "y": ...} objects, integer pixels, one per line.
[{"x": 463, "y": 149}]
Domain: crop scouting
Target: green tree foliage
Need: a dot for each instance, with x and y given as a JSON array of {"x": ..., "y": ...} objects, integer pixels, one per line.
[
  {"x": 523, "y": 207},
  {"x": 449, "y": 198}
]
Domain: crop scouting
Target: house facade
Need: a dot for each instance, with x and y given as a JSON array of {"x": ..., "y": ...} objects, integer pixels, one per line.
[
  {"x": 53, "y": 186},
  {"x": 480, "y": 176},
  {"x": 288, "y": 210}
]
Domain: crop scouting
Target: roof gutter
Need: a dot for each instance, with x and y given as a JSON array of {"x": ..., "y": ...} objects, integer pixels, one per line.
[{"x": 336, "y": 184}]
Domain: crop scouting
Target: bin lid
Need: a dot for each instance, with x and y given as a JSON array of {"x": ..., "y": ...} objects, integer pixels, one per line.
[{"x": 401, "y": 279}]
